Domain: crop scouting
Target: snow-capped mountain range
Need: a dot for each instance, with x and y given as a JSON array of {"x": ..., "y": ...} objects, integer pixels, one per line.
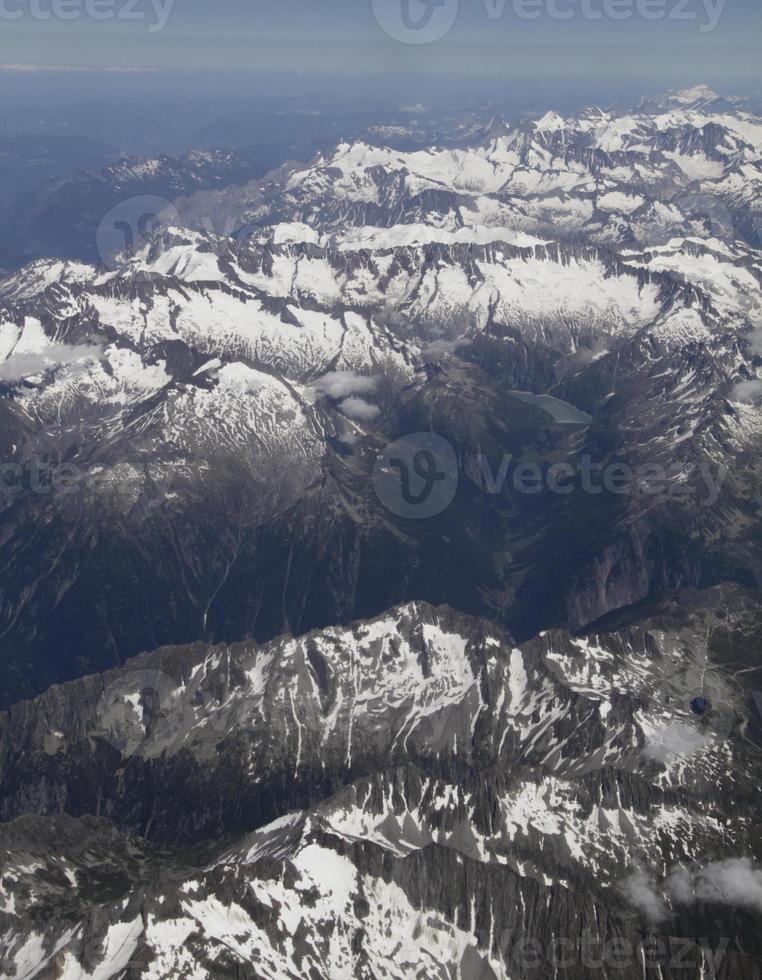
[
  {"x": 622, "y": 178},
  {"x": 374, "y": 745},
  {"x": 418, "y": 786}
]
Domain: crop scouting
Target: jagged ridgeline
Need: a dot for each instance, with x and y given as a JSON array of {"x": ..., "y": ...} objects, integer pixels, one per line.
[{"x": 409, "y": 784}]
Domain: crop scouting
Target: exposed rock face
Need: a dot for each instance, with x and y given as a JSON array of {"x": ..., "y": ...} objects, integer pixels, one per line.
[{"x": 410, "y": 784}]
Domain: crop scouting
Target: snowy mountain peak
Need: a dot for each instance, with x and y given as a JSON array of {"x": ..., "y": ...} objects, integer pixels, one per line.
[
  {"x": 695, "y": 96},
  {"x": 551, "y": 122}
]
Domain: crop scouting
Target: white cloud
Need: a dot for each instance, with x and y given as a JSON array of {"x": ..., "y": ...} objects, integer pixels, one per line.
[
  {"x": 680, "y": 886},
  {"x": 118, "y": 69},
  {"x": 642, "y": 892},
  {"x": 357, "y": 408},
  {"x": 747, "y": 391},
  {"x": 439, "y": 350},
  {"x": 756, "y": 338},
  {"x": 29, "y": 364},
  {"x": 340, "y": 384},
  {"x": 735, "y": 881},
  {"x": 674, "y": 740}
]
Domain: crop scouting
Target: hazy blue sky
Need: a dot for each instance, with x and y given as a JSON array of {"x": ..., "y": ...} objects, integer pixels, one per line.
[{"x": 344, "y": 36}]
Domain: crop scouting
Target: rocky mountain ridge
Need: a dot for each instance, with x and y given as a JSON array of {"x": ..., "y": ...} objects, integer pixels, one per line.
[{"x": 370, "y": 764}]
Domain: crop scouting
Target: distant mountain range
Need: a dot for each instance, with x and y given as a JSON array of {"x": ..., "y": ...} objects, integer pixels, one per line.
[
  {"x": 55, "y": 191},
  {"x": 26, "y": 160}
]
